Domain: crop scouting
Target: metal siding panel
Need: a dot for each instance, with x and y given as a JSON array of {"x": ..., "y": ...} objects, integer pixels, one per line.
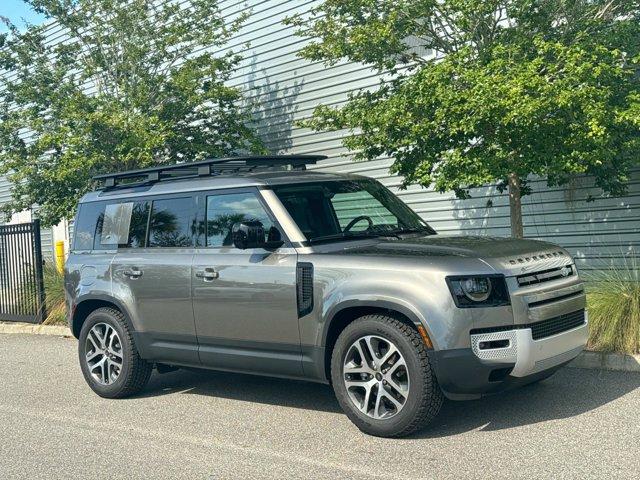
[
  {"x": 5, "y": 190},
  {"x": 46, "y": 239}
]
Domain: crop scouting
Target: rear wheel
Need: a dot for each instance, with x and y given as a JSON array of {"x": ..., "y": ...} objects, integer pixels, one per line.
[
  {"x": 382, "y": 377},
  {"x": 109, "y": 359}
]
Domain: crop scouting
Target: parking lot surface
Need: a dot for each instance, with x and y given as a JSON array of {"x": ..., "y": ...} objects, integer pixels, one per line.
[{"x": 189, "y": 424}]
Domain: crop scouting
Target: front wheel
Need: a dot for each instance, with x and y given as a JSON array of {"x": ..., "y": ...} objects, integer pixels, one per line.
[
  {"x": 382, "y": 377},
  {"x": 109, "y": 359}
]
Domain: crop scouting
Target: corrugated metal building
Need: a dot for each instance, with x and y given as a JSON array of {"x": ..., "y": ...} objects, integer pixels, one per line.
[{"x": 285, "y": 88}]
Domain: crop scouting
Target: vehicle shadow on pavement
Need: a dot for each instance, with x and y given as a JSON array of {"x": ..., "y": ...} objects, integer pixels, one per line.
[
  {"x": 246, "y": 388},
  {"x": 570, "y": 392}
]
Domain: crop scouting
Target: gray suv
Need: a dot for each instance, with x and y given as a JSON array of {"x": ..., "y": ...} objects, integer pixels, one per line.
[{"x": 258, "y": 265}]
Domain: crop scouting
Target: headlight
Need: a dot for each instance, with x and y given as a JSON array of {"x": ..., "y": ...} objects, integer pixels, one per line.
[{"x": 479, "y": 291}]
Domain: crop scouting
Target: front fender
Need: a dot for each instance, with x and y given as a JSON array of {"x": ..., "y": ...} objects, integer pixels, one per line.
[
  {"x": 396, "y": 304},
  {"x": 422, "y": 297}
]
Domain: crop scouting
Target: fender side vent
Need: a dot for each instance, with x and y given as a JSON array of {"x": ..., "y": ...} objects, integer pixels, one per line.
[{"x": 304, "y": 282}]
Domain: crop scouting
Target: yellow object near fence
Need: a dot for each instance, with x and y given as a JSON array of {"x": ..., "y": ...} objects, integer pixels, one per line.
[{"x": 60, "y": 255}]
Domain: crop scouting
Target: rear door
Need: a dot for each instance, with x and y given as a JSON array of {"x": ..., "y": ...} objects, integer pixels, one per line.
[
  {"x": 244, "y": 301},
  {"x": 152, "y": 272}
]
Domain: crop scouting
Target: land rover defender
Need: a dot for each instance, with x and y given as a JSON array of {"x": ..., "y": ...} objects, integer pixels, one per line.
[{"x": 259, "y": 265}]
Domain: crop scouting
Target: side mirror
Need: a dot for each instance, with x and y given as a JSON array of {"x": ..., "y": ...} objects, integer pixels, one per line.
[
  {"x": 248, "y": 234},
  {"x": 274, "y": 239}
]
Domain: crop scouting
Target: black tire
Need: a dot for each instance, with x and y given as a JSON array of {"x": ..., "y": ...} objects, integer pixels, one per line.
[
  {"x": 135, "y": 371},
  {"x": 424, "y": 398}
]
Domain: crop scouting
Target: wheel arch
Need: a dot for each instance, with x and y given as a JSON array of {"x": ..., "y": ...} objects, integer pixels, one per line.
[
  {"x": 89, "y": 304},
  {"x": 349, "y": 311}
]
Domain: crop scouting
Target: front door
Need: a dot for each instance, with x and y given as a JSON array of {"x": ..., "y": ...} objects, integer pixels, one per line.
[
  {"x": 152, "y": 272},
  {"x": 244, "y": 301}
]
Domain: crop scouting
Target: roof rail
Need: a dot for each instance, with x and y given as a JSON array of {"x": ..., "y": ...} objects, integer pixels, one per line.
[{"x": 213, "y": 166}]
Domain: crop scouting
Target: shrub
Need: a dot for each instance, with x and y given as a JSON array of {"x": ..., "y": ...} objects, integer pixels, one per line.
[
  {"x": 613, "y": 302},
  {"x": 54, "y": 291}
]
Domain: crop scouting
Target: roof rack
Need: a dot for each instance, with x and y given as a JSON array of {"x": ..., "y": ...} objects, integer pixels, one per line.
[{"x": 214, "y": 166}]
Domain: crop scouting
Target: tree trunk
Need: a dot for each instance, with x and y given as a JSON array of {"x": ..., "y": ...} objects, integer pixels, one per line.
[{"x": 515, "y": 205}]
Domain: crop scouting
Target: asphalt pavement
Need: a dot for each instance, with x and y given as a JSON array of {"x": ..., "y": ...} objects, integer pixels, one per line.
[{"x": 186, "y": 424}]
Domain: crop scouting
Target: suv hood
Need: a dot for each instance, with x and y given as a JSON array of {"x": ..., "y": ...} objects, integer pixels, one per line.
[{"x": 509, "y": 255}]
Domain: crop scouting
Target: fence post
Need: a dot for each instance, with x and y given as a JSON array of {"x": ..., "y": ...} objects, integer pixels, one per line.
[{"x": 37, "y": 256}]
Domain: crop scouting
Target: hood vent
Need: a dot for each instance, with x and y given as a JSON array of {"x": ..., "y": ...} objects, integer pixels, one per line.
[{"x": 537, "y": 257}]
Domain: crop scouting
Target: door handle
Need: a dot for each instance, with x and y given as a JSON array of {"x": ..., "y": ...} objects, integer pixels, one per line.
[
  {"x": 208, "y": 274},
  {"x": 132, "y": 273}
]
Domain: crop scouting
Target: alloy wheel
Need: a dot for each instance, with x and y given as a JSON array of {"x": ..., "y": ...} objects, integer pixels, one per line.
[
  {"x": 103, "y": 353},
  {"x": 376, "y": 377}
]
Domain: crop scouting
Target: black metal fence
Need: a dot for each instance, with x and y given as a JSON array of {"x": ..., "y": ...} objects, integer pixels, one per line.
[{"x": 22, "y": 297}]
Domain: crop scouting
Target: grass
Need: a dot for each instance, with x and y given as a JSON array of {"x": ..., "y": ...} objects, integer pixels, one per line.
[
  {"x": 54, "y": 291},
  {"x": 613, "y": 302}
]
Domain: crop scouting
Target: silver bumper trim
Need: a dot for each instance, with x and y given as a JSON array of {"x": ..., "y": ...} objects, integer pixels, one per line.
[{"x": 531, "y": 356}]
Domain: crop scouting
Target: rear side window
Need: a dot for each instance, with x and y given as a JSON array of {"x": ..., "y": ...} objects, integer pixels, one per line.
[{"x": 172, "y": 223}]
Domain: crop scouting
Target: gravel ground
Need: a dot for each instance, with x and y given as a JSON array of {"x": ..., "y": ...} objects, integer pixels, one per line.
[{"x": 577, "y": 424}]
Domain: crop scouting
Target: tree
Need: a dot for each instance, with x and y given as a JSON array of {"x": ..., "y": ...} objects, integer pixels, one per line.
[
  {"x": 482, "y": 91},
  {"x": 130, "y": 86}
]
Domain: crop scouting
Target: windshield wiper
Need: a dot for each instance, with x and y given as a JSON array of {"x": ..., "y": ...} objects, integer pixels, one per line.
[
  {"x": 402, "y": 231},
  {"x": 364, "y": 235},
  {"x": 349, "y": 236}
]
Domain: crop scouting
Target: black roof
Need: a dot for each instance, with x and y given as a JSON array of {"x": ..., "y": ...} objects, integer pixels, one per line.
[{"x": 215, "y": 166}]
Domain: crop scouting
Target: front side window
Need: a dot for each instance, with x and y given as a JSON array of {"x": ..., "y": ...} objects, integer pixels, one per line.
[
  {"x": 224, "y": 210},
  {"x": 336, "y": 210}
]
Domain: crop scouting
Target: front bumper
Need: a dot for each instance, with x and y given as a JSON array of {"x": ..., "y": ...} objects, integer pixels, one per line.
[{"x": 517, "y": 359}]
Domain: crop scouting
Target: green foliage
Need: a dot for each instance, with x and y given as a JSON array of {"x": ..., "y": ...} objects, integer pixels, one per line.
[
  {"x": 131, "y": 87},
  {"x": 27, "y": 293},
  {"x": 476, "y": 90},
  {"x": 613, "y": 300},
  {"x": 54, "y": 292}
]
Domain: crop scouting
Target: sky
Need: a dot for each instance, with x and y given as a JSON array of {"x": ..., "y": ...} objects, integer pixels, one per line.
[{"x": 15, "y": 10}]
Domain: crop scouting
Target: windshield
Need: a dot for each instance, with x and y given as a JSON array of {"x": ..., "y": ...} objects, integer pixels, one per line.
[{"x": 336, "y": 210}]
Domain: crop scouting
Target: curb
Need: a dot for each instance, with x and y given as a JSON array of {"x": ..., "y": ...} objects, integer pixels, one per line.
[
  {"x": 607, "y": 361},
  {"x": 15, "y": 327},
  {"x": 587, "y": 359}
]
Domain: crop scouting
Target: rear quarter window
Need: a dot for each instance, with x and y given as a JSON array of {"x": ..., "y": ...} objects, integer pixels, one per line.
[
  {"x": 85, "y": 225},
  {"x": 122, "y": 225}
]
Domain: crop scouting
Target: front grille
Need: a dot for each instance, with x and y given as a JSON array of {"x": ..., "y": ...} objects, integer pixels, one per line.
[
  {"x": 545, "y": 275},
  {"x": 555, "y": 325},
  {"x": 544, "y": 328}
]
